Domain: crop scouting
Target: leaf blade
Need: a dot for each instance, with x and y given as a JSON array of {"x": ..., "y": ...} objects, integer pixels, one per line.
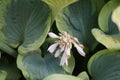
[
  {"x": 104, "y": 65},
  {"x": 25, "y": 24},
  {"x": 3, "y": 75},
  {"x": 78, "y": 19},
  {"x": 39, "y": 67},
  {"x": 105, "y": 17},
  {"x": 112, "y": 42},
  {"x": 61, "y": 77}
]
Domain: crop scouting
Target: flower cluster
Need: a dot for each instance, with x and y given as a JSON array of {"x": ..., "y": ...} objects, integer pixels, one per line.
[{"x": 64, "y": 45}]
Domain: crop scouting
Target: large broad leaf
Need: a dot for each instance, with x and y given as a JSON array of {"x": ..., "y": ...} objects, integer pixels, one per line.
[
  {"x": 3, "y": 75},
  {"x": 35, "y": 67},
  {"x": 62, "y": 77},
  {"x": 105, "y": 65},
  {"x": 25, "y": 22},
  {"x": 3, "y": 5},
  {"x": 116, "y": 16},
  {"x": 3, "y": 46},
  {"x": 11, "y": 71},
  {"x": 111, "y": 42},
  {"x": 105, "y": 21},
  {"x": 58, "y": 5},
  {"x": 78, "y": 19}
]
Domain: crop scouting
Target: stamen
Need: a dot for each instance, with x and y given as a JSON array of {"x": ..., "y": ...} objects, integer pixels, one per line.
[{"x": 68, "y": 56}]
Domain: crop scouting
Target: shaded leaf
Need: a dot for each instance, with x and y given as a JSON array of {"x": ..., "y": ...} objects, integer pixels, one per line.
[
  {"x": 12, "y": 73},
  {"x": 111, "y": 42},
  {"x": 3, "y": 75},
  {"x": 97, "y": 5},
  {"x": 105, "y": 65},
  {"x": 3, "y": 6},
  {"x": 3, "y": 46},
  {"x": 104, "y": 19},
  {"x": 34, "y": 67},
  {"x": 78, "y": 19},
  {"x": 83, "y": 75}
]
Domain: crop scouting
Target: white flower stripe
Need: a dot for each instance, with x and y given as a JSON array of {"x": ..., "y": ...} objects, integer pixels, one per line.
[
  {"x": 79, "y": 49},
  {"x": 68, "y": 52},
  {"x": 52, "y": 48},
  {"x": 53, "y": 35},
  {"x": 64, "y": 60},
  {"x": 57, "y": 53}
]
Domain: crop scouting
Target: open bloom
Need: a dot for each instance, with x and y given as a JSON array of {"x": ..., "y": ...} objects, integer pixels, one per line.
[{"x": 64, "y": 45}]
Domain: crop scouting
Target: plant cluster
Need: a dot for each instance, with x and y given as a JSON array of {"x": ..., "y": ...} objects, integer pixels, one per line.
[{"x": 59, "y": 39}]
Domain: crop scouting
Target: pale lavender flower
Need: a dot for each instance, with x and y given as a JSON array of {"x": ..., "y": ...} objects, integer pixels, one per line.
[
  {"x": 64, "y": 45},
  {"x": 52, "y": 48}
]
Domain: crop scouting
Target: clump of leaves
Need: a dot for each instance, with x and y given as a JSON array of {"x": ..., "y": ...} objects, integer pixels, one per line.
[{"x": 25, "y": 24}]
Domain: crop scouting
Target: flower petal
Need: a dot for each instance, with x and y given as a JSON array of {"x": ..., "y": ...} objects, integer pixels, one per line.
[
  {"x": 79, "y": 49},
  {"x": 62, "y": 48},
  {"x": 53, "y": 35},
  {"x": 64, "y": 59},
  {"x": 68, "y": 52},
  {"x": 57, "y": 53},
  {"x": 66, "y": 62},
  {"x": 52, "y": 48}
]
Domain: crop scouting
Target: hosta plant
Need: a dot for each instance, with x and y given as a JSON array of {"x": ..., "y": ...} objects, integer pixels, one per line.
[{"x": 59, "y": 40}]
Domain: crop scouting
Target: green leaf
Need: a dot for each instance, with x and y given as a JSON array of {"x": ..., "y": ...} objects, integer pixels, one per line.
[
  {"x": 3, "y": 75},
  {"x": 8, "y": 65},
  {"x": 34, "y": 67},
  {"x": 104, "y": 19},
  {"x": 4, "y": 47},
  {"x": 116, "y": 17},
  {"x": 111, "y": 42},
  {"x": 83, "y": 75},
  {"x": 58, "y": 5},
  {"x": 12, "y": 73},
  {"x": 25, "y": 23},
  {"x": 61, "y": 77},
  {"x": 97, "y": 5},
  {"x": 78, "y": 19},
  {"x": 3, "y": 6},
  {"x": 105, "y": 65}
]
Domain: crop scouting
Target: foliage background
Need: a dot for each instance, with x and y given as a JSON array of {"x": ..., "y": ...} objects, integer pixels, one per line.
[{"x": 24, "y": 25}]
